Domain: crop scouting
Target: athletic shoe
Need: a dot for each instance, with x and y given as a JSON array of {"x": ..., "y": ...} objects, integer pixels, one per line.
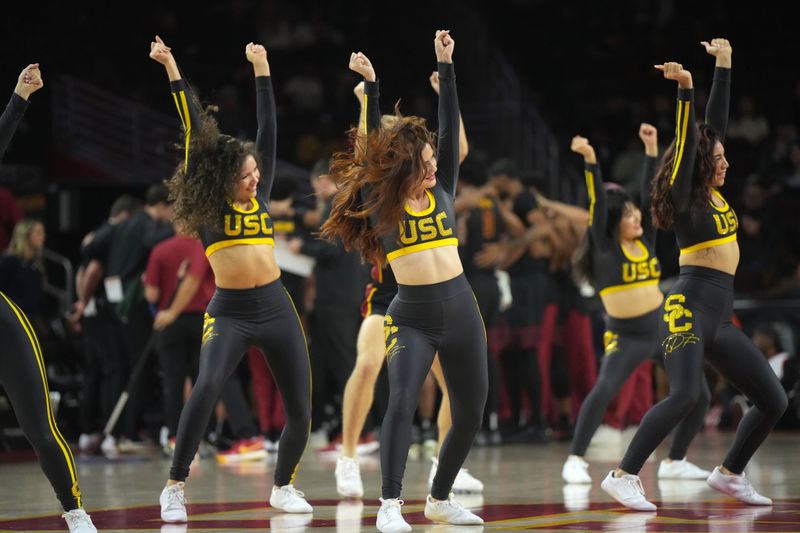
[
  {"x": 169, "y": 447},
  {"x": 348, "y": 478},
  {"x": 109, "y": 447},
  {"x": 173, "y": 503},
  {"x": 289, "y": 500},
  {"x": 464, "y": 482},
  {"x": 738, "y": 487},
  {"x": 134, "y": 446},
  {"x": 243, "y": 450},
  {"x": 628, "y": 491},
  {"x": 606, "y": 436},
  {"x": 368, "y": 444},
  {"x": 449, "y": 511},
  {"x": 682, "y": 469},
  {"x": 89, "y": 443},
  {"x": 575, "y": 470},
  {"x": 390, "y": 519},
  {"x": 79, "y": 522}
]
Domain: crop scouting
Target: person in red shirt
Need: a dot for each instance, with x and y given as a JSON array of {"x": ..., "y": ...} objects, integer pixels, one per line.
[{"x": 179, "y": 282}]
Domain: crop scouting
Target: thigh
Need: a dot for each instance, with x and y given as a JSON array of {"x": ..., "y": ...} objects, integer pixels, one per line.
[
  {"x": 462, "y": 351},
  {"x": 224, "y": 342},
  {"x": 409, "y": 356},
  {"x": 684, "y": 330},
  {"x": 283, "y": 341},
  {"x": 740, "y": 362},
  {"x": 623, "y": 354},
  {"x": 371, "y": 347}
]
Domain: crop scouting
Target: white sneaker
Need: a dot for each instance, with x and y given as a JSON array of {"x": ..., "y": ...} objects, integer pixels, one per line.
[
  {"x": 464, "y": 481},
  {"x": 575, "y": 470},
  {"x": 79, "y": 522},
  {"x": 89, "y": 442},
  {"x": 390, "y": 519},
  {"x": 173, "y": 503},
  {"x": 738, "y": 487},
  {"x": 628, "y": 491},
  {"x": 605, "y": 435},
  {"x": 449, "y": 511},
  {"x": 348, "y": 478},
  {"x": 109, "y": 447},
  {"x": 682, "y": 469},
  {"x": 289, "y": 500}
]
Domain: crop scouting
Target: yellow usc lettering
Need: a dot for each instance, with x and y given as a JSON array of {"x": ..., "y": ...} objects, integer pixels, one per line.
[
  {"x": 640, "y": 271},
  {"x": 247, "y": 225},
  {"x": 423, "y": 229},
  {"x": 676, "y": 311},
  {"x": 726, "y": 222}
]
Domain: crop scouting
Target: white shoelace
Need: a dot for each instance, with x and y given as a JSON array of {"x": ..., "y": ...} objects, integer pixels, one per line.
[
  {"x": 393, "y": 509},
  {"x": 77, "y": 519},
  {"x": 636, "y": 483},
  {"x": 350, "y": 468},
  {"x": 175, "y": 496},
  {"x": 294, "y": 492}
]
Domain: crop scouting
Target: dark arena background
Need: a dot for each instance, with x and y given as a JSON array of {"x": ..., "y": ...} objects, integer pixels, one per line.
[{"x": 531, "y": 75}]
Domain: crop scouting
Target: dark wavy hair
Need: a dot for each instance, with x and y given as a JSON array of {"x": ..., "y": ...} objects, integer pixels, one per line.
[
  {"x": 582, "y": 259},
  {"x": 702, "y": 175},
  {"x": 391, "y": 168},
  {"x": 215, "y": 160}
]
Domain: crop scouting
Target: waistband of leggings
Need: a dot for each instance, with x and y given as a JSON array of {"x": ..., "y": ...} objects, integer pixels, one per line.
[
  {"x": 645, "y": 324},
  {"x": 239, "y": 302},
  {"x": 434, "y": 292},
  {"x": 713, "y": 276}
]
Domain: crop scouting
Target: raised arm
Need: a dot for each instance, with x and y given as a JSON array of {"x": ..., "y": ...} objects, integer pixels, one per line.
[
  {"x": 265, "y": 111},
  {"x": 649, "y": 136},
  {"x": 29, "y": 81},
  {"x": 594, "y": 186},
  {"x": 185, "y": 101},
  {"x": 370, "y": 117},
  {"x": 463, "y": 142},
  {"x": 680, "y": 181},
  {"x": 447, "y": 157},
  {"x": 719, "y": 100}
]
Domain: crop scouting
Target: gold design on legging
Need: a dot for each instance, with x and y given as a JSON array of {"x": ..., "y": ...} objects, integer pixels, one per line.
[
  {"x": 675, "y": 311},
  {"x": 208, "y": 328},
  {"x": 680, "y": 335},
  {"x": 610, "y": 342},
  {"x": 677, "y": 341},
  {"x": 389, "y": 329}
]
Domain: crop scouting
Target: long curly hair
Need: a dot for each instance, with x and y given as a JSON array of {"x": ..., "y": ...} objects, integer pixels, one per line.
[
  {"x": 200, "y": 191},
  {"x": 617, "y": 201},
  {"x": 376, "y": 181},
  {"x": 661, "y": 207}
]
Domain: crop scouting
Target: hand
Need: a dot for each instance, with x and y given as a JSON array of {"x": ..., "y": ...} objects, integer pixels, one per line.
[
  {"x": 676, "y": 72},
  {"x": 161, "y": 52},
  {"x": 358, "y": 90},
  {"x": 649, "y": 136},
  {"x": 580, "y": 145},
  {"x": 163, "y": 319},
  {"x": 255, "y": 53},
  {"x": 444, "y": 45},
  {"x": 360, "y": 64},
  {"x": 719, "y": 48},
  {"x": 75, "y": 315},
  {"x": 490, "y": 255},
  {"x": 434, "y": 79},
  {"x": 295, "y": 245},
  {"x": 29, "y": 81}
]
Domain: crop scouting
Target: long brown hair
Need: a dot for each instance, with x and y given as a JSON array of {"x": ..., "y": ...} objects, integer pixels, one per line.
[
  {"x": 215, "y": 161},
  {"x": 377, "y": 181},
  {"x": 662, "y": 209}
]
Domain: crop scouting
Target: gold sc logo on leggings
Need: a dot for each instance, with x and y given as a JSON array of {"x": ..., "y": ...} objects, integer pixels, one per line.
[{"x": 680, "y": 333}]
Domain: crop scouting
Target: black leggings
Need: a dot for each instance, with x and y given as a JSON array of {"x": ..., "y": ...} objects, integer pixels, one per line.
[
  {"x": 629, "y": 343},
  {"x": 421, "y": 320},
  {"x": 23, "y": 374},
  {"x": 235, "y": 320},
  {"x": 695, "y": 322}
]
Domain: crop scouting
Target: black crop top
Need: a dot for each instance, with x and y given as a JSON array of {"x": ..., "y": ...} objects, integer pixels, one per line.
[
  {"x": 614, "y": 269},
  {"x": 436, "y": 225},
  {"x": 239, "y": 226},
  {"x": 697, "y": 229}
]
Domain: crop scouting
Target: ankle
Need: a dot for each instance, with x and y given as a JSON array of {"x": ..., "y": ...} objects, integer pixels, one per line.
[
  {"x": 575, "y": 456},
  {"x": 171, "y": 482},
  {"x": 727, "y": 472},
  {"x": 618, "y": 472}
]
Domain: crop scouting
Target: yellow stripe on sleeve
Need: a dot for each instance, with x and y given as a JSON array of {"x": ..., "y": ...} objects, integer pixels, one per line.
[
  {"x": 592, "y": 194},
  {"x": 683, "y": 122},
  {"x": 187, "y": 128}
]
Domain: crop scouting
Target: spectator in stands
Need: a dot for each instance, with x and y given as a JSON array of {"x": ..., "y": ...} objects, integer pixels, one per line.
[{"x": 22, "y": 269}]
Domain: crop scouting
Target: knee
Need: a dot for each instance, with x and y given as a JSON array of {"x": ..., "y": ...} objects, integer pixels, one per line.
[
  {"x": 684, "y": 401},
  {"x": 368, "y": 367},
  {"x": 777, "y": 404},
  {"x": 42, "y": 439},
  {"x": 402, "y": 403},
  {"x": 208, "y": 387}
]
